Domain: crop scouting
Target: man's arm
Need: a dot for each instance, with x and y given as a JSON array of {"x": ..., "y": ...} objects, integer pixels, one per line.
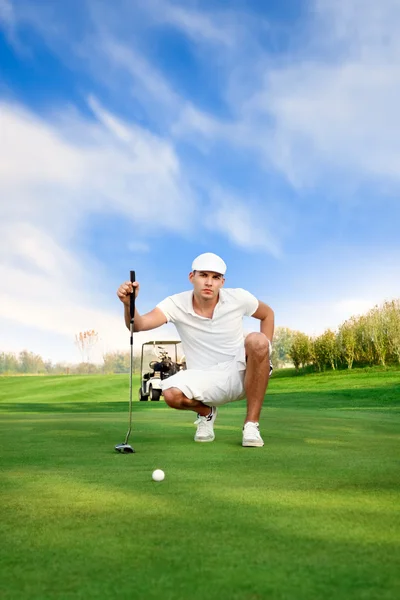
[
  {"x": 151, "y": 320},
  {"x": 266, "y": 315}
]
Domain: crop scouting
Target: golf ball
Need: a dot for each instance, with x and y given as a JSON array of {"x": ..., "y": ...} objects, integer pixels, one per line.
[{"x": 158, "y": 475}]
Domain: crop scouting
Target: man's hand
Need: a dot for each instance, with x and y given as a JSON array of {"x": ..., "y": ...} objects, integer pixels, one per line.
[
  {"x": 151, "y": 320},
  {"x": 125, "y": 290}
]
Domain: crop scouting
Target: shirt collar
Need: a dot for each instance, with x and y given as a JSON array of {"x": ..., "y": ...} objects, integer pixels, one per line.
[{"x": 221, "y": 300}]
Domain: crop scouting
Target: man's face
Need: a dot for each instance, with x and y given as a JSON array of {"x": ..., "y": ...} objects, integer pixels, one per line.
[{"x": 206, "y": 284}]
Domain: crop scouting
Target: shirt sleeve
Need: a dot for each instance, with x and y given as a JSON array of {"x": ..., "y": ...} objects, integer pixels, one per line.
[
  {"x": 248, "y": 302},
  {"x": 167, "y": 306}
]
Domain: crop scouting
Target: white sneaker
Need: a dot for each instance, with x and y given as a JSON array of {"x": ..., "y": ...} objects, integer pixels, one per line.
[
  {"x": 205, "y": 427},
  {"x": 251, "y": 435}
]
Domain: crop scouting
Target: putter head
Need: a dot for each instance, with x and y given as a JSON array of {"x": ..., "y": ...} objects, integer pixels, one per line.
[{"x": 124, "y": 449}]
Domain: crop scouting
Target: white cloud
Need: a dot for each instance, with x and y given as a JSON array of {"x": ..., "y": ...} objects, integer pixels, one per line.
[
  {"x": 139, "y": 247},
  {"x": 361, "y": 27},
  {"x": 211, "y": 28},
  {"x": 339, "y": 117},
  {"x": 147, "y": 83},
  {"x": 324, "y": 106},
  {"x": 193, "y": 122},
  {"x": 52, "y": 176},
  {"x": 14, "y": 14},
  {"x": 327, "y": 107},
  {"x": 333, "y": 106},
  {"x": 7, "y": 16},
  {"x": 76, "y": 166},
  {"x": 25, "y": 141},
  {"x": 25, "y": 244},
  {"x": 246, "y": 226}
]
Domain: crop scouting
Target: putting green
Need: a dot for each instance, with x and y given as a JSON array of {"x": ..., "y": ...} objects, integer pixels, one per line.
[{"x": 313, "y": 514}]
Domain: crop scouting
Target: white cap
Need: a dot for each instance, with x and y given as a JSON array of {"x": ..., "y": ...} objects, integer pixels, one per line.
[{"x": 209, "y": 262}]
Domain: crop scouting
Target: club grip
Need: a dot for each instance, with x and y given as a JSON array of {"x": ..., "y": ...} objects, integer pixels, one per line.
[{"x": 132, "y": 299}]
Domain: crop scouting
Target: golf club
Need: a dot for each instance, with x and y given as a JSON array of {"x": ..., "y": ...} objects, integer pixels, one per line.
[{"x": 126, "y": 448}]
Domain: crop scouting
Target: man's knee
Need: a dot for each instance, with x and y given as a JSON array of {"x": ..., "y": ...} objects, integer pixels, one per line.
[
  {"x": 173, "y": 397},
  {"x": 257, "y": 344}
]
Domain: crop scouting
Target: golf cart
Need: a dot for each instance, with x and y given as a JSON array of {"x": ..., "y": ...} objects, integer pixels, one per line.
[{"x": 159, "y": 360}]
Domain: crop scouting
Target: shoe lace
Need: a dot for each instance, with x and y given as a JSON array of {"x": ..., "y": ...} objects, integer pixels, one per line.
[
  {"x": 252, "y": 428},
  {"x": 201, "y": 423}
]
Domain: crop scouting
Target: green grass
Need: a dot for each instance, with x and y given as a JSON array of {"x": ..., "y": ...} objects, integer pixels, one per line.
[{"x": 313, "y": 514}]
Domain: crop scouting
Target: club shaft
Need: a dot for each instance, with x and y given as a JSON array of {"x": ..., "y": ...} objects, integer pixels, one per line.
[
  {"x": 130, "y": 385},
  {"x": 131, "y": 327}
]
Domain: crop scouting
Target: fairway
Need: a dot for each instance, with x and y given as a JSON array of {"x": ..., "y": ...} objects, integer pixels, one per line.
[{"x": 314, "y": 514}]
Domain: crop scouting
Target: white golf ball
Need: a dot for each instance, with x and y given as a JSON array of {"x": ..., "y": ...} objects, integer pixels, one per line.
[{"x": 158, "y": 475}]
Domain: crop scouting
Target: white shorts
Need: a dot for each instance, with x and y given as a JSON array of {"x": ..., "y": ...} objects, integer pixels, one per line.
[{"x": 214, "y": 386}]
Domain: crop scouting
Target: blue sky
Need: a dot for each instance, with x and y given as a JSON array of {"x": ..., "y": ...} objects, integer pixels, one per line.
[{"x": 138, "y": 134}]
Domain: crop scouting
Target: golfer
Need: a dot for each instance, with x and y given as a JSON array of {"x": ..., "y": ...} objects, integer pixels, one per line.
[{"x": 222, "y": 364}]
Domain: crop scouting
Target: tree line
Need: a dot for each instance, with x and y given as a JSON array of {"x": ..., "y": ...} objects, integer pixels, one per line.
[
  {"x": 366, "y": 340},
  {"x": 370, "y": 339},
  {"x": 29, "y": 363}
]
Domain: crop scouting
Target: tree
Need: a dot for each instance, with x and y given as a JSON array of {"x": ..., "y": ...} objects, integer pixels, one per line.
[
  {"x": 116, "y": 362},
  {"x": 392, "y": 318},
  {"x": 364, "y": 350},
  {"x": 283, "y": 339},
  {"x": 8, "y": 363},
  {"x": 86, "y": 368},
  {"x": 30, "y": 363},
  {"x": 347, "y": 341},
  {"x": 378, "y": 329},
  {"x": 326, "y": 351},
  {"x": 85, "y": 341},
  {"x": 318, "y": 358},
  {"x": 329, "y": 338},
  {"x": 301, "y": 350}
]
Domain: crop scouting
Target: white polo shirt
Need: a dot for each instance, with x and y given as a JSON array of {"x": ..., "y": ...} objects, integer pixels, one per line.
[{"x": 208, "y": 342}]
